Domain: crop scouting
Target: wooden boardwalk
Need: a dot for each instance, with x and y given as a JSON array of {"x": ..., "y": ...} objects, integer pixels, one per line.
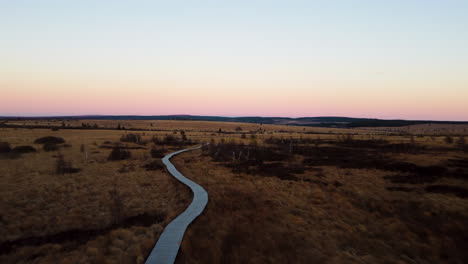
[{"x": 166, "y": 248}]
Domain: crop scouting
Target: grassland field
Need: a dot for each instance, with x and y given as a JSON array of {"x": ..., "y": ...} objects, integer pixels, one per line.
[{"x": 278, "y": 194}]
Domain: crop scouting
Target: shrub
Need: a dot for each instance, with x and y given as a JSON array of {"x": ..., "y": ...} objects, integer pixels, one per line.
[
  {"x": 49, "y": 139},
  {"x": 156, "y": 140},
  {"x": 154, "y": 165},
  {"x": 5, "y": 147},
  {"x": 170, "y": 140},
  {"x": 62, "y": 166},
  {"x": 448, "y": 189},
  {"x": 119, "y": 153},
  {"x": 184, "y": 137},
  {"x": 23, "y": 149},
  {"x": 461, "y": 141},
  {"x": 117, "y": 206},
  {"x": 134, "y": 138},
  {"x": 157, "y": 153},
  {"x": 50, "y": 147},
  {"x": 448, "y": 139}
]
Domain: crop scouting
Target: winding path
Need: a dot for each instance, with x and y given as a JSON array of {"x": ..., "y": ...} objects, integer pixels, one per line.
[{"x": 165, "y": 250}]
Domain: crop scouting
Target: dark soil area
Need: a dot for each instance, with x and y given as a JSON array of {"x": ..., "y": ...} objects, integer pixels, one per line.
[{"x": 81, "y": 236}]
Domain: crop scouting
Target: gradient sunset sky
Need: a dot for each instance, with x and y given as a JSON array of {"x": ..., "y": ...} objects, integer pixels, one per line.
[{"x": 385, "y": 59}]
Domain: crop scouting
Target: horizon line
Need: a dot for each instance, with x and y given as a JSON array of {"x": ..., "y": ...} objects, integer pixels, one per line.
[{"x": 188, "y": 115}]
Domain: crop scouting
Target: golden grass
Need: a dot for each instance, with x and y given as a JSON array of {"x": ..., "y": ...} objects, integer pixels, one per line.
[
  {"x": 196, "y": 126},
  {"x": 333, "y": 216},
  {"x": 329, "y": 215},
  {"x": 36, "y": 202}
]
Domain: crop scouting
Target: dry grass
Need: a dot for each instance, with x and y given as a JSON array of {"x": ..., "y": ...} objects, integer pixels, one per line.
[
  {"x": 425, "y": 129},
  {"x": 334, "y": 212},
  {"x": 72, "y": 218},
  {"x": 332, "y": 198}
]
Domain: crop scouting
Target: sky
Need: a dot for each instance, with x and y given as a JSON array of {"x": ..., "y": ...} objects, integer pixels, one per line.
[{"x": 404, "y": 59}]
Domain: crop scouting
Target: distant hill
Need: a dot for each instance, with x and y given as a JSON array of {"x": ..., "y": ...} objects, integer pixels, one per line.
[{"x": 322, "y": 121}]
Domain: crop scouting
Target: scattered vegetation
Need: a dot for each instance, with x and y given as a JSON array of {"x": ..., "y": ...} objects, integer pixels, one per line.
[
  {"x": 119, "y": 153},
  {"x": 290, "y": 187},
  {"x": 448, "y": 139},
  {"x": 50, "y": 147},
  {"x": 448, "y": 189},
  {"x": 154, "y": 165},
  {"x": 5, "y": 147},
  {"x": 23, "y": 149},
  {"x": 461, "y": 142},
  {"x": 49, "y": 140},
  {"x": 171, "y": 140},
  {"x": 157, "y": 152},
  {"x": 62, "y": 166},
  {"x": 133, "y": 138},
  {"x": 117, "y": 206}
]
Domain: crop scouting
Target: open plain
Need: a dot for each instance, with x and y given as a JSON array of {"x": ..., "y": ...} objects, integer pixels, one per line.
[{"x": 278, "y": 194}]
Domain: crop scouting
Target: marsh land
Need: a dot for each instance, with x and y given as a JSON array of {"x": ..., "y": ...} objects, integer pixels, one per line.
[{"x": 95, "y": 191}]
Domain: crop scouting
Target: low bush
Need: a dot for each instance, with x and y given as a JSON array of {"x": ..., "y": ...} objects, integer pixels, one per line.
[
  {"x": 5, "y": 147},
  {"x": 448, "y": 139},
  {"x": 171, "y": 140},
  {"x": 241, "y": 152},
  {"x": 50, "y": 147},
  {"x": 133, "y": 138},
  {"x": 49, "y": 140},
  {"x": 157, "y": 153},
  {"x": 62, "y": 166},
  {"x": 154, "y": 165},
  {"x": 119, "y": 153},
  {"x": 448, "y": 189},
  {"x": 461, "y": 141},
  {"x": 23, "y": 149},
  {"x": 400, "y": 189}
]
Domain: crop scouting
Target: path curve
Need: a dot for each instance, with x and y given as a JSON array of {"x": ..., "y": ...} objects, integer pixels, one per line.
[{"x": 167, "y": 246}]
